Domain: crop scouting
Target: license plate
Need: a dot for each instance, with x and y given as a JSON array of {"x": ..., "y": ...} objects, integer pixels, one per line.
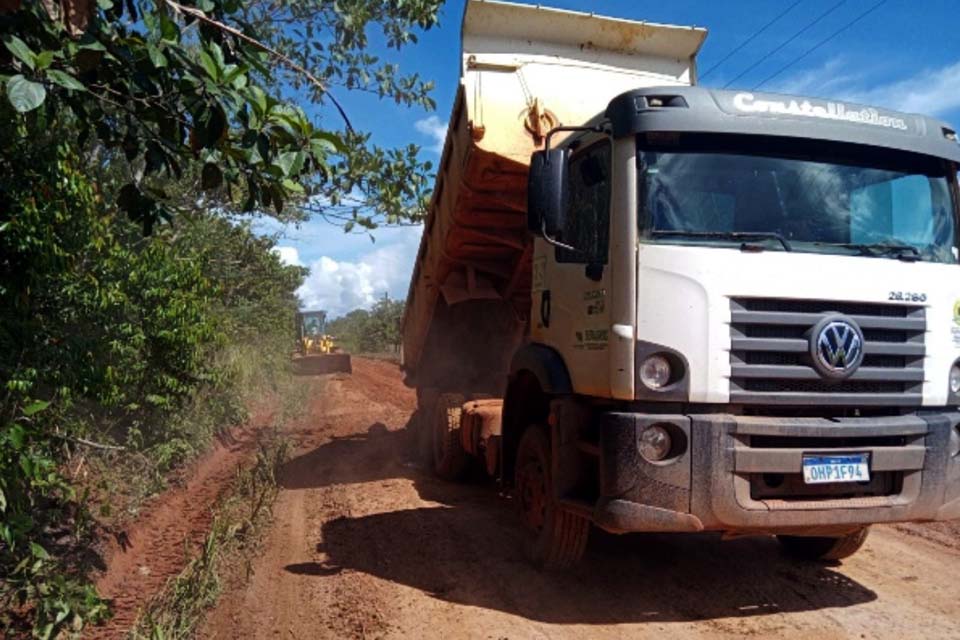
[{"x": 836, "y": 468}]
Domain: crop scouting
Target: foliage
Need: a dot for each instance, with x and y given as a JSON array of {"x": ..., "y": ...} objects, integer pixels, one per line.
[
  {"x": 376, "y": 330},
  {"x": 107, "y": 336},
  {"x": 165, "y": 85}
]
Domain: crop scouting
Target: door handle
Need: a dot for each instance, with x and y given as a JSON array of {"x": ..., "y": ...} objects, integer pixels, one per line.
[{"x": 545, "y": 308}]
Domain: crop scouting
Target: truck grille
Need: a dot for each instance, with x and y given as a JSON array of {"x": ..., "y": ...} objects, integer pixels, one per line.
[
  {"x": 770, "y": 364},
  {"x": 768, "y": 459}
]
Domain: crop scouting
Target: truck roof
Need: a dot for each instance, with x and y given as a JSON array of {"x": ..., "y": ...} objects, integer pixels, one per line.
[{"x": 712, "y": 111}]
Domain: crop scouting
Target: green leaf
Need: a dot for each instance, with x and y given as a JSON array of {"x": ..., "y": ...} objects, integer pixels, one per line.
[
  {"x": 291, "y": 162},
  {"x": 156, "y": 57},
  {"x": 35, "y": 408},
  {"x": 19, "y": 48},
  {"x": 17, "y": 436},
  {"x": 210, "y": 65},
  {"x": 169, "y": 30},
  {"x": 39, "y": 552},
  {"x": 330, "y": 138},
  {"x": 65, "y": 80},
  {"x": 90, "y": 44},
  {"x": 258, "y": 99},
  {"x": 293, "y": 187},
  {"x": 44, "y": 59},
  {"x": 25, "y": 95}
]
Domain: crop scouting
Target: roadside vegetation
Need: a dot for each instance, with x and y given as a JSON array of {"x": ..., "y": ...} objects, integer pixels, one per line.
[
  {"x": 374, "y": 331},
  {"x": 227, "y": 550},
  {"x": 138, "y": 317}
]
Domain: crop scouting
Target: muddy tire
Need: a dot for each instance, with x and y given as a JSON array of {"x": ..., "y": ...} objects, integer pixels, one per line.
[
  {"x": 558, "y": 538},
  {"x": 450, "y": 461},
  {"x": 824, "y": 548}
]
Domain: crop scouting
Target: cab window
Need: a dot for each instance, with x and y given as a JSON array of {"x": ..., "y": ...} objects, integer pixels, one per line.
[{"x": 587, "y": 227}]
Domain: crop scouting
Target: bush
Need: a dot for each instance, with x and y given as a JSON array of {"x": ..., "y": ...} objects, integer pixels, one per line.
[{"x": 110, "y": 337}]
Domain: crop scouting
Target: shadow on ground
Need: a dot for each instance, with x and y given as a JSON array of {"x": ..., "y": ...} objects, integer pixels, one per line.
[{"x": 468, "y": 550}]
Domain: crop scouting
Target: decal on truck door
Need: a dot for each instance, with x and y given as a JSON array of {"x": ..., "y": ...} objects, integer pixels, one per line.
[
  {"x": 591, "y": 339},
  {"x": 596, "y": 301},
  {"x": 955, "y": 329}
]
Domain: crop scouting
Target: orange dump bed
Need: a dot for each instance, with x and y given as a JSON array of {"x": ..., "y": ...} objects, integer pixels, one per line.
[{"x": 524, "y": 70}]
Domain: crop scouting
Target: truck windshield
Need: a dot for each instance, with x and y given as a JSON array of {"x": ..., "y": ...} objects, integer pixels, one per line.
[{"x": 811, "y": 205}]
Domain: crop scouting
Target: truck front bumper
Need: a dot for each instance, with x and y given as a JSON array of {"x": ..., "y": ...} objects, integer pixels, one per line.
[{"x": 744, "y": 473}]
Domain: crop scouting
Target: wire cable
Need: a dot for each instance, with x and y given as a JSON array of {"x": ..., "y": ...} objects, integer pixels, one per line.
[
  {"x": 819, "y": 44},
  {"x": 786, "y": 42},
  {"x": 749, "y": 40}
]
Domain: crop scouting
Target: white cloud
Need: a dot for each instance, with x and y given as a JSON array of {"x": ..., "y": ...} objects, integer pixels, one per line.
[
  {"x": 340, "y": 286},
  {"x": 930, "y": 91},
  {"x": 832, "y": 79},
  {"x": 288, "y": 256},
  {"x": 434, "y": 128}
]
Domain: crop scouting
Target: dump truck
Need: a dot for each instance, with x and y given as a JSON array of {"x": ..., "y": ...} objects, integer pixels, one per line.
[
  {"x": 649, "y": 306},
  {"x": 317, "y": 351}
]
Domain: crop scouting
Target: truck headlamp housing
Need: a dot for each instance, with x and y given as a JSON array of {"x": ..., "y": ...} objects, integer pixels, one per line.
[
  {"x": 655, "y": 443},
  {"x": 660, "y": 373},
  {"x": 655, "y": 372}
]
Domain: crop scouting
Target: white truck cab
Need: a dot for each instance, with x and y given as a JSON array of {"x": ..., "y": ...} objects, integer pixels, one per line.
[{"x": 768, "y": 285}]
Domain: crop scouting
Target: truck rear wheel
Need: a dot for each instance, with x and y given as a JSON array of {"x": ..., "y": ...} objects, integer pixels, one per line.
[
  {"x": 559, "y": 538},
  {"x": 824, "y": 548},
  {"x": 450, "y": 461}
]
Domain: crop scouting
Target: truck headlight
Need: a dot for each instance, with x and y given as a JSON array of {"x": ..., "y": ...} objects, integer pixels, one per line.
[
  {"x": 955, "y": 379},
  {"x": 655, "y": 443},
  {"x": 655, "y": 372}
]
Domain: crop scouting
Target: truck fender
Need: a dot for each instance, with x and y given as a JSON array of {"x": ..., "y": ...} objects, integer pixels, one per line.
[
  {"x": 537, "y": 374},
  {"x": 546, "y": 365}
]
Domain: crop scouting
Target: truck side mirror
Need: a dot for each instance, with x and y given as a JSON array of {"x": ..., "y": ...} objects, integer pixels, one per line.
[{"x": 547, "y": 192}]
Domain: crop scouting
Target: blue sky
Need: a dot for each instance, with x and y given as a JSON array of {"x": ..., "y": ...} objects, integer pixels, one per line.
[{"x": 904, "y": 55}]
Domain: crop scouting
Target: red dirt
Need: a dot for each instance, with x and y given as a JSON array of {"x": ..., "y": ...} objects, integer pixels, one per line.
[
  {"x": 157, "y": 546},
  {"x": 365, "y": 544}
]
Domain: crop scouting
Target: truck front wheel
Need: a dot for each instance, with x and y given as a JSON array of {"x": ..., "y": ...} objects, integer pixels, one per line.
[
  {"x": 824, "y": 548},
  {"x": 558, "y": 537}
]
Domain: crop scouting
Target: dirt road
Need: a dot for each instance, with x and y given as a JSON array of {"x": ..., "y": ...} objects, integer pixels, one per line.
[{"x": 365, "y": 544}]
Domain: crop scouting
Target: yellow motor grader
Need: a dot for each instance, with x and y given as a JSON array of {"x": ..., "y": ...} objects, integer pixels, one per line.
[{"x": 317, "y": 351}]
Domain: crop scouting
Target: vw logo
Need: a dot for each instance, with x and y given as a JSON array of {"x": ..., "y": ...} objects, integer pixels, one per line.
[{"x": 836, "y": 344}]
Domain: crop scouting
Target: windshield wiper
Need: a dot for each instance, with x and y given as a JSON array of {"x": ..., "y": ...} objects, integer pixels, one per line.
[
  {"x": 724, "y": 235},
  {"x": 902, "y": 251}
]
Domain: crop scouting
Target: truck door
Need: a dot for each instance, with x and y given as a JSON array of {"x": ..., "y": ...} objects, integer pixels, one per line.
[{"x": 571, "y": 286}]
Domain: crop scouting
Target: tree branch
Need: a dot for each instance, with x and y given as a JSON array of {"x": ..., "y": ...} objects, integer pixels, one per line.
[
  {"x": 200, "y": 15},
  {"x": 90, "y": 443}
]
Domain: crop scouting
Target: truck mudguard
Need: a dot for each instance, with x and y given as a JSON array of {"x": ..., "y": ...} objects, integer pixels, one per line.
[{"x": 546, "y": 365}]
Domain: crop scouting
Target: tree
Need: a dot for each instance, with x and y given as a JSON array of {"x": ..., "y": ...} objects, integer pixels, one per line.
[
  {"x": 163, "y": 85},
  {"x": 374, "y": 330}
]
